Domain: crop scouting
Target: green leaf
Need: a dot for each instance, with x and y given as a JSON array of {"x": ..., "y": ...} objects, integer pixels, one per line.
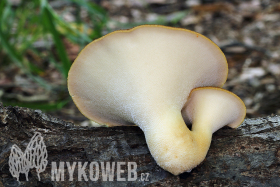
[
  {"x": 19, "y": 60},
  {"x": 49, "y": 24},
  {"x": 42, "y": 106}
]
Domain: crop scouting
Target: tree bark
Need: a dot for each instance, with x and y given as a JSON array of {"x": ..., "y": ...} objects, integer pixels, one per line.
[{"x": 246, "y": 156}]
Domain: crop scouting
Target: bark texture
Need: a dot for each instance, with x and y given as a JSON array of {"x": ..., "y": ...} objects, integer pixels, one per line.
[{"x": 246, "y": 156}]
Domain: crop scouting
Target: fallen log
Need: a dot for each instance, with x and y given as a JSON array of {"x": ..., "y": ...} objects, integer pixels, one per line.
[{"x": 246, "y": 156}]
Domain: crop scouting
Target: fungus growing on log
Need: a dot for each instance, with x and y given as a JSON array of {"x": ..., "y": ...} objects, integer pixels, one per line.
[{"x": 144, "y": 76}]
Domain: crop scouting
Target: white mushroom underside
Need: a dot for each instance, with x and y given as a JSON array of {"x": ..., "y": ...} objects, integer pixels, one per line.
[
  {"x": 137, "y": 76},
  {"x": 213, "y": 108}
]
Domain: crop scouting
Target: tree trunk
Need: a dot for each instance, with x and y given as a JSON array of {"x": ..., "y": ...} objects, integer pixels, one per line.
[{"x": 246, "y": 156}]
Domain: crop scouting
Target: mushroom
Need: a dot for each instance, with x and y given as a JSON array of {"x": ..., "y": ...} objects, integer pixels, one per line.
[
  {"x": 208, "y": 109},
  {"x": 144, "y": 76}
]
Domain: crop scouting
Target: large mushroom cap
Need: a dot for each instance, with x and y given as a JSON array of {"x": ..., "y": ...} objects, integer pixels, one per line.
[{"x": 137, "y": 75}]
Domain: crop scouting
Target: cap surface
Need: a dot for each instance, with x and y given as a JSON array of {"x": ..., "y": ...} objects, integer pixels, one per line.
[
  {"x": 131, "y": 76},
  {"x": 214, "y": 108}
]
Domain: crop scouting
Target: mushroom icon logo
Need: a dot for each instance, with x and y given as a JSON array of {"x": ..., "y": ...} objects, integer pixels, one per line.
[{"x": 34, "y": 156}]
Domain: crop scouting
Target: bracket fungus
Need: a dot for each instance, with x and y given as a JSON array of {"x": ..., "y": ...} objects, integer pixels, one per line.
[{"x": 144, "y": 76}]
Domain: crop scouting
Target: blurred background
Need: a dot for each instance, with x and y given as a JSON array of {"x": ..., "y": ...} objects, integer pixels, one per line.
[{"x": 40, "y": 39}]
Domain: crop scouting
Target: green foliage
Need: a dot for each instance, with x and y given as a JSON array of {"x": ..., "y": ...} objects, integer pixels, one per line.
[
  {"x": 43, "y": 106},
  {"x": 48, "y": 21},
  {"x": 35, "y": 20}
]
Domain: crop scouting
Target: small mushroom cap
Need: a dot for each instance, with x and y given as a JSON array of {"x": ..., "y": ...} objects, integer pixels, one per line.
[
  {"x": 214, "y": 108},
  {"x": 132, "y": 76}
]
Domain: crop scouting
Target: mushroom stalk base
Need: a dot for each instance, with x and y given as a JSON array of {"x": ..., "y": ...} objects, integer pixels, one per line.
[{"x": 174, "y": 147}]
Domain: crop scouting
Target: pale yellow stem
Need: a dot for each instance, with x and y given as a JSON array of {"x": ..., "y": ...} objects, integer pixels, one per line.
[{"x": 174, "y": 147}]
